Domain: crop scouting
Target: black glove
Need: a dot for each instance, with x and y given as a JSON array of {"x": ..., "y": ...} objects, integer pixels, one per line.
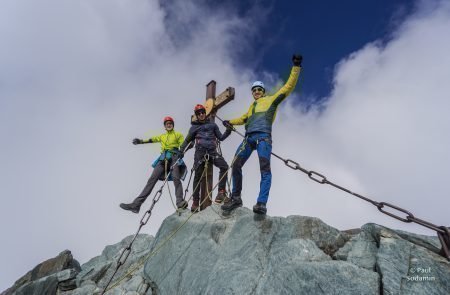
[
  {"x": 297, "y": 60},
  {"x": 137, "y": 141},
  {"x": 227, "y": 124}
]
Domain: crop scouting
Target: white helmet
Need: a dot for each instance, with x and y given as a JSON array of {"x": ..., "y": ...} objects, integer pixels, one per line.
[{"x": 258, "y": 84}]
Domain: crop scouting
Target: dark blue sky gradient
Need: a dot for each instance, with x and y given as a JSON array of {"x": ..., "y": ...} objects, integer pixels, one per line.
[{"x": 324, "y": 32}]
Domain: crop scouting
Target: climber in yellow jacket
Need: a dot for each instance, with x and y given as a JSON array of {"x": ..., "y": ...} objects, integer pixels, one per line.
[
  {"x": 170, "y": 143},
  {"x": 258, "y": 122}
]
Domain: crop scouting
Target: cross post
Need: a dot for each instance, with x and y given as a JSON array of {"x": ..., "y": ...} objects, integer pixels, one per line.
[{"x": 212, "y": 105}]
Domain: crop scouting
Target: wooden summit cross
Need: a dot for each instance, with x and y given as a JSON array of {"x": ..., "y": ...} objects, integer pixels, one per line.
[{"x": 212, "y": 105}]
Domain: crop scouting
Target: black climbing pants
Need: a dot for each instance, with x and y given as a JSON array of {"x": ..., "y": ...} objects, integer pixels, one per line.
[{"x": 199, "y": 164}]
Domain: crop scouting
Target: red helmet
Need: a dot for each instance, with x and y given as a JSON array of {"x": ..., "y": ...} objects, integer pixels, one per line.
[
  {"x": 199, "y": 107},
  {"x": 168, "y": 119}
]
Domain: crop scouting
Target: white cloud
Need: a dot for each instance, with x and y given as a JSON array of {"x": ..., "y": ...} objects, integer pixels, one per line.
[
  {"x": 382, "y": 133},
  {"x": 79, "y": 80}
]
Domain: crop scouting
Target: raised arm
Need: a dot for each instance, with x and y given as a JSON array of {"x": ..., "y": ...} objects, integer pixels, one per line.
[{"x": 284, "y": 91}]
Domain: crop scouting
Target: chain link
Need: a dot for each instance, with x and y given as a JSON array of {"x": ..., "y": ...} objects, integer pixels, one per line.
[
  {"x": 321, "y": 181},
  {"x": 409, "y": 218},
  {"x": 145, "y": 218},
  {"x": 291, "y": 164},
  {"x": 127, "y": 251},
  {"x": 442, "y": 231},
  {"x": 445, "y": 240}
]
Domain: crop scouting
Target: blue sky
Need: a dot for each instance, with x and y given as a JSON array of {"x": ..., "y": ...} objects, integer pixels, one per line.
[
  {"x": 80, "y": 79},
  {"x": 323, "y": 31}
]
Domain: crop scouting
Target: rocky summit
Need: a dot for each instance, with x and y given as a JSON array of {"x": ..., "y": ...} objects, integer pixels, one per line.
[{"x": 244, "y": 253}]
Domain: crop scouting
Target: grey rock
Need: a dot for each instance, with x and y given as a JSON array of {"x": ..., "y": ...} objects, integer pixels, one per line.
[
  {"x": 352, "y": 232},
  {"x": 361, "y": 250},
  {"x": 430, "y": 243},
  {"x": 47, "y": 285},
  {"x": 136, "y": 284},
  {"x": 51, "y": 266},
  {"x": 408, "y": 263},
  {"x": 66, "y": 274},
  {"x": 66, "y": 279},
  {"x": 241, "y": 255},
  {"x": 87, "y": 288},
  {"x": 244, "y": 253},
  {"x": 67, "y": 285},
  {"x": 93, "y": 273},
  {"x": 407, "y": 268},
  {"x": 327, "y": 238},
  {"x": 99, "y": 269}
]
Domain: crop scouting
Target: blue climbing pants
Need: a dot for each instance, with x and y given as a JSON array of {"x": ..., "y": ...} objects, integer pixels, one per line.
[{"x": 262, "y": 143}]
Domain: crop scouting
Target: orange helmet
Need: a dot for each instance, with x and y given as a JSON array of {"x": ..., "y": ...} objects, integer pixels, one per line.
[
  {"x": 199, "y": 107},
  {"x": 166, "y": 119}
]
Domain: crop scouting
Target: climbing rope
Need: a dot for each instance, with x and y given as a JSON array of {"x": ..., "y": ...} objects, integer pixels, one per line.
[
  {"x": 157, "y": 249},
  {"x": 168, "y": 187},
  {"x": 442, "y": 231},
  {"x": 219, "y": 149},
  {"x": 145, "y": 218},
  {"x": 189, "y": 182}
]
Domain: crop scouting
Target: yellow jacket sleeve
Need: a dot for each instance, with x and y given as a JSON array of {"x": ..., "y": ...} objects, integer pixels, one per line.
[
  {"x": 290, "y": 84},
  {"x": 156, "y": 138},
  {"x": 242, "y": 119}
]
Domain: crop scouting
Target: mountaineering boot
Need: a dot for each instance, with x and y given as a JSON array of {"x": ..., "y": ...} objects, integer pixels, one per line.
[
  {"x": 235, "y": 203},
  {"x": 221, "y": 195},
  {"x": 130, "y": 207},
  {"x": 194, "y": 206},
  {"x": 182, "y": 205},
  {"x": 260, "y": 208},
  {"x": 227, "y": 200},
  {"x": 205, "y": 203}
]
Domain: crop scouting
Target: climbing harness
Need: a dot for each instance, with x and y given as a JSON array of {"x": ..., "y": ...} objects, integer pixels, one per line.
[
  {"x": 126, "y": 252},
  {"x": 442, "y": 232}
]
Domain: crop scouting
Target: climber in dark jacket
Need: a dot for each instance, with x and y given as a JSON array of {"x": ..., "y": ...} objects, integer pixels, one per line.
[{"x": 206, "y": 134}]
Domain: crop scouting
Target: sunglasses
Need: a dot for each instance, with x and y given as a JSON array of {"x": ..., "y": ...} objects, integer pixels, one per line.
[
  {"x": 258, "y": 89},
  {"x": 200, "y": 112}
]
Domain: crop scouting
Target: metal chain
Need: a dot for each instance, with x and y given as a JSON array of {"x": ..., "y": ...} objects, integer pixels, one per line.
[
  {"x": 189, "y": 182},
  {"x": 163, "y": 243},
  {"x": 173, "y": 234},
  {"x": 145, "y": 218},
  {"x": 442, "y": 231},
  {"x": 168, "y": 187},
  {"x": 153, "y": 252}
]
